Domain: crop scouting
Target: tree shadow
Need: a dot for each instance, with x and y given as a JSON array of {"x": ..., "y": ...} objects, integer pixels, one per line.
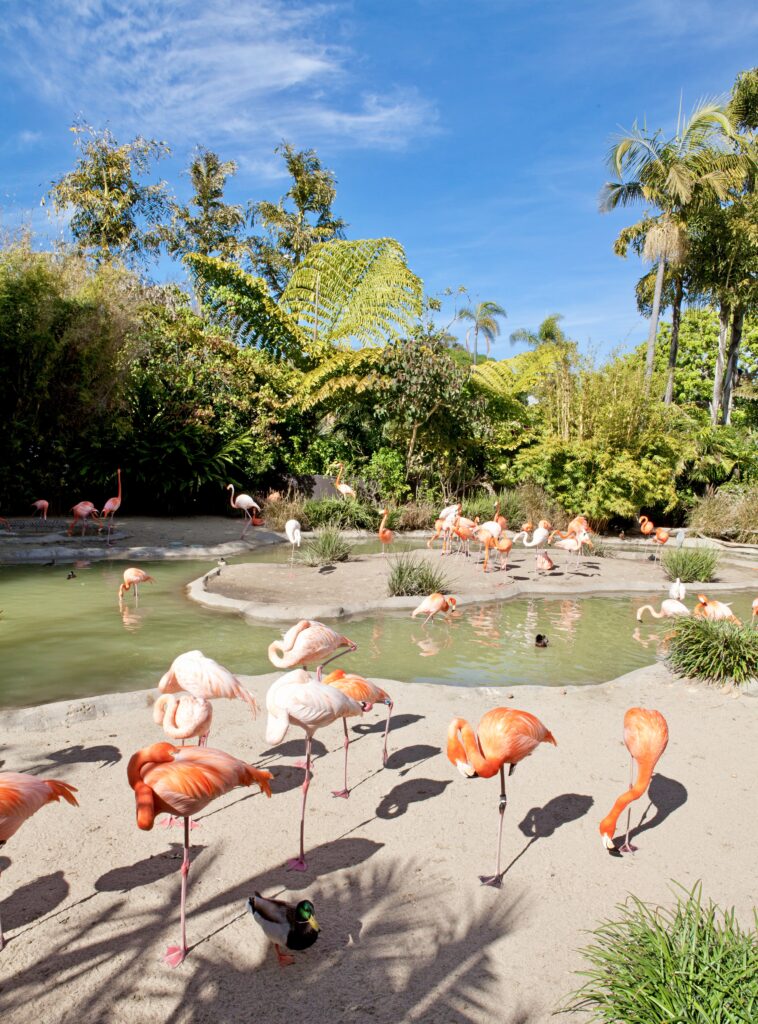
[
  {"x": 105, "y": 753},
  {"x": 400, "y": 797},
  {"x": 666, "y": 796},
  {"x": 33, "y": 900}
]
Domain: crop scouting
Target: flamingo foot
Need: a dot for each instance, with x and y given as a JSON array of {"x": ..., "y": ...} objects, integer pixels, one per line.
[
  {"x": 304, "y": 765},
  {"x": 297, "y": 864},
  {"x": 168, "y": 822},
  {"x": 495, "y": 881},
  {"x": 195, "y": 824},
  {"x": 174, "y": 955},
  {"x": 627, "y": 848},
  {"x": 344, "y": 793}
]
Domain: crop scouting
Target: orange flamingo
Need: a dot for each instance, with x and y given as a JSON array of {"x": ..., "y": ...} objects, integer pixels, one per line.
[
  {"x": 41, "y": 506},
  {"x": 645, "y": 735},
  {"x": 501, "y": 521},
  {"x": 715, "y": 611},
  {"x": 308, "y": 642},
  {"x": 755, "y": 609},
  {"x": 345, "y": 490},
  {"x": 660, "y": 537},
  {"x": 464, "y": 530},
  {"x": 21, "y": 796},
  {"x": 363, "y": 692},
  {"x": 244, "y": 502},
  {"x": 488, "y": 541},
  {"x": 577, "y": 525},
  {"x": 299, "y": 699},
  {"x": 132, "y": 578},
  {"x": 204, "y": 678},
  {"x": 505, "y": 736},
  {"x": 504, "y": 546},
  {"x": 181, "y": 781},
  {"x": 386, "y": 536},
  {"x": 432, "y": 605},
  {"x": 82, "y": 511},
  {"x": 112, "y": 505}
]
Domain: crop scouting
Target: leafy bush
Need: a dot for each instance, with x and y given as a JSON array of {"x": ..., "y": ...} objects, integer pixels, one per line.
[
  {"x": 716, "y": 652},
  {"x": 327, "y": 547},
  {"x": 690, "y": 565},
  {"x": 653, "y": 965},
  {"x": 413, "y": 576},
  {"x": 386, "y": 471},
  {"x": 731, "y": 513},
  {"x": 341, "y": 513}
]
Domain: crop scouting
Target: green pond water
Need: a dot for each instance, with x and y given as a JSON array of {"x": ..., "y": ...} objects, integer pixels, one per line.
[{"x": 63, "y": 638}]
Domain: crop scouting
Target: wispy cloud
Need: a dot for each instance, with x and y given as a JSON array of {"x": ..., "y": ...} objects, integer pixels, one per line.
[{"x": 214, "y": 71}]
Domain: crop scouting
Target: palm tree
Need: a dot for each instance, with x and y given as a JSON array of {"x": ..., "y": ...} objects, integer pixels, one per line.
[
  {"x": 670, "y": 175},
  {"x": 484, "y": 318}
]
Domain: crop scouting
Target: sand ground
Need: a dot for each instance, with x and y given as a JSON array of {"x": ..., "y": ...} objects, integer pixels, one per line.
[{"x": 89, "y": 902}]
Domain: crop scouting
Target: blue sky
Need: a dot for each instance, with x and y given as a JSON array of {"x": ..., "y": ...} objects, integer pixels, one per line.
[{"x": 475, "y": 132}]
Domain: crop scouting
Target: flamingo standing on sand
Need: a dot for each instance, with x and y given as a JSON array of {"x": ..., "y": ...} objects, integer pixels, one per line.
[
  {"x": 444, "y": 524},
  {"x": 299, "y": 699},
  {"x": 540, "y": 537},
  {"x": 463, "y": 529},
  {"x": 308, "y": 642},
  {"x": 112, "y": 505},
  {"x": 670, "y": 608},
  {"x": 82, "y": 511},
  {"x": 183, "y": 717},
  {"x": 132, "y": 578},
  {"x": 41, "y": 506},
  {"x": 204, "y": 678},
  {"x": 434, "y": 604},
  {"x": 181, "y": 781},
  {"x": 715, "y": 611},
  {"x": 577, "y": 525},
  {"x": 544, "y": 562},
  {"x": 367, "y": 694},
  {"x": 500, "y": 520},
  {"x": 244, "y": 502},
  {"x": 21, "y": 796},
  {"x": 341, "y": 487},
  {"x": 386, "y": 536},
  {"x": 505, "y": 736},
  {"x": 575, "y": 544},
  {"x": 660, "y": 537},
  {"x": 293, "y": 531},
  {"x": 645, "y": 735},
  {"x": 677, "y": 590}
]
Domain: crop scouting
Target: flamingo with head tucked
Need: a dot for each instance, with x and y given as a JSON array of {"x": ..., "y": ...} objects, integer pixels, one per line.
[
  {"x": 244, "y": 502},
  {"x": 294, "y": 535},
  {"x": 505, "y": 736},
  {"x": 308, "y": 642},
  {"x": 204, "y": 678},
  {"x": 183, "y": 716},
  {"x": 715, "y": 611},
  {"x": 181, "y": 781},
  {"x": 367, "y": 694},
  {"x": 41, "y": 506},
  {"x": 677, "y": 590}
]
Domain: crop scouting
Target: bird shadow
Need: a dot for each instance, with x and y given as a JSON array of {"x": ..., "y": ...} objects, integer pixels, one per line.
[
  {"x": 34, "y": 899},
  {"x": 106, "y": 754},
  {"x": 666, "y": 796},
  {"x": 295, "y": 748},
  {"x": 416, "y": 754},
  {"x": 145, "y": 872},
  {"x": 396, "y": 722},
  {"x": 543, "y": 822},
  {"x": 400, "y": 797}
]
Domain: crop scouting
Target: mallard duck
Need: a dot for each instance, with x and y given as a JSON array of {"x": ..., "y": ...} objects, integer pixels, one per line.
[
  {"x": 541, "y": 640},
  {"x": 293, "y": 925}
]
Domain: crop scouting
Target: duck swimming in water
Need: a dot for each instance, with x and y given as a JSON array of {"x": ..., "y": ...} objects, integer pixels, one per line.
[{"x": 541, "y": 640}]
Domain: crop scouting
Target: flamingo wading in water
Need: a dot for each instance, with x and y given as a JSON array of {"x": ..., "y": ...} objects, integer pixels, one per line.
[
  {"x": 714, "y": 611},
  {"x": 244, "y": 502},
  {"x": 433, "y": 605},
  {"x": 132, "y": 578},
  {"x": 670, "y": 608},
  {"x": 645, "y": 736},
  {"x": 21, "y": 796},
  {"x": 366, "y": 693},
  {"x": 182, "y": 781},
  {"x": 505, "y": 736},
  {"x": 299, "y": 699},
  {"x": 308, "y": 642}
]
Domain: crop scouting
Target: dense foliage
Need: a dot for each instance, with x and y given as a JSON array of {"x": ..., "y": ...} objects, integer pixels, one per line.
[{"x": 716, "y": 652}]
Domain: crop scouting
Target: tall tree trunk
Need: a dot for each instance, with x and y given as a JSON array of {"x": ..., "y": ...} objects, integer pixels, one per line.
[
  {"x": 731, "y": 363},
  {"x": 654, "y": 323},
  {"x": 718, "y": 375},
  {"x": 674, "y": 346}
]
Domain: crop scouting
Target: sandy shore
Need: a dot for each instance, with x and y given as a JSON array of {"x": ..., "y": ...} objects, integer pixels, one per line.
[{"x": 89, "y": 902}]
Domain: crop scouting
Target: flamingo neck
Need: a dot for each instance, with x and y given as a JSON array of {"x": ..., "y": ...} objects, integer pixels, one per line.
[
  {"x": 118, "y": 474},
  {"x": 339, "y": 473},
  {"x": 644, "y": 775},
  {"x": 384, "y": 521},
  {"x": 463, "y": 748},
  {"x": 231, "y": 499}
]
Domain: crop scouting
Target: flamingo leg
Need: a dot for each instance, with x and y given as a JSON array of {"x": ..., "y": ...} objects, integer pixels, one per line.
[
  {"x": 345, "y": 793},
  {"x": 628, "y": 847},
  {"x": 174, "y": 955},
  {"x": 299, "y": 863},
  {"x": 496, "y": 880},
  {"x": 390, "y": 706}
]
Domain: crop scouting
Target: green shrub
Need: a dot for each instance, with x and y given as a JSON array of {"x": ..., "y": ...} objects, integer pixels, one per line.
[
  {"x": 327, "y": 547},
  {"x": 386, "y": 471},
  {"x": 693, "y": 965},
  {"x": 690, "y": 565},
  {"x": 731, "y": 513},
  {"x": 412, "y": 575},
  {"x": 527, "y": 501},
  {"x": 276, "y": 513},
  {"x": 716, "y": 652},
  {"x": 341, "y": 513}
]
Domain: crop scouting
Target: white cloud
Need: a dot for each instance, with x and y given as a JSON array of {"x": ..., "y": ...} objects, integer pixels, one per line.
[{"x": 216, "y": 71}]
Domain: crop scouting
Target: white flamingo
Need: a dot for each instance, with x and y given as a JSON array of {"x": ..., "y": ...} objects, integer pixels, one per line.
[
  {"x": 204, "y": 677},
  {"x": 292, "y": 530},
  {"x": 244, "y": 502},
  {"x": 670, "y": 608},
  {"x": 677, "y": 590}
]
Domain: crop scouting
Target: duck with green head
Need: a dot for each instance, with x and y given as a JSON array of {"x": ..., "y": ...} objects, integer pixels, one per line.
[{"x": 293, "y": 925}]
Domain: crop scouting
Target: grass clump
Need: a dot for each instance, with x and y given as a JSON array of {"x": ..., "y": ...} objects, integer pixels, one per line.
[
  {"x": 412, "y": 575},
  {"x": 341, "y": 513},
  {"x": 327, "y": 547},
  {"x": 690, "y": 964},
  {"x": 690, "y": 565},
  {"x": 416, "y": 515},
  {"x": 731, "y": 513},
  {"x": 276, "y": 513},
  {"x": 716, "y": 652}
]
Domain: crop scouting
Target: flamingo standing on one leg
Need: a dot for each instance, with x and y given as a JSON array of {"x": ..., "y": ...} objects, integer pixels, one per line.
[
  {"x": 132, "y": 578},
  {"x": 183, "y": 717},
  {"x": 21, "y": 796},
  {"x": 293, "y": 531},
  {"x": 244, "y": 502},
  {"x": 343, "y": 489},
  {"x": 82, "y": 511},
  {"x": 660, "y": 537},
  {"x": 366, "y": 693},
  {"x": 434, "y": 604},
  {"x": 298, "y": 699},
  {"x": 308, "y": 642},
  {"x": 670, "y": 608},
  {"x": 505, "y": 736},
  {"x": 182, "y": 781},
  {"x": 41, "y": 506},
  {"x": 204, "y": 678},
  {"x": 645, "y": 735},
  {"x": 386, "y": 536}
]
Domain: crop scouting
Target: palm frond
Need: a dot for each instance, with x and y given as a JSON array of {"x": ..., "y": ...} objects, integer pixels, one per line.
[{"x": 615, "y": 194}]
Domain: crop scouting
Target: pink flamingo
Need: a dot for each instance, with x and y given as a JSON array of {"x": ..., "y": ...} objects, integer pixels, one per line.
[
  {"x": 342, "y": 488},
  {"x": 41, "y": 506},
  {"x": 82, "y": 511},
  {"x": 205, "y": 679},
  {"x": 298, "y": 699},
  {"x": 574, "y": 544},
  {"x": 386, "y": 536},
  {"x": 754, "y": 607},
  {"x": 308, "y": 642},
  {"x": 366, "y": 693},
  {"x": 21, "y": 796},
  {"x": 670, "y": 608},
  {"x": 244, "y": 502},
  {"x": 132, "y": 578},
  {"x": 444, "y": 524},
  {"x": 544, "y": 562},
  {"x": 112, "y": 505},
  {"x": 182, "y": 781},
  {"x": 183, "y": 717},
  {"x": 434, "y": 604}
]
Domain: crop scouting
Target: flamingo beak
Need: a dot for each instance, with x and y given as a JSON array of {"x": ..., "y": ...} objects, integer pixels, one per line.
[
  {"x": 465, "y": 769},
  {"x": 608, "y": 842}
]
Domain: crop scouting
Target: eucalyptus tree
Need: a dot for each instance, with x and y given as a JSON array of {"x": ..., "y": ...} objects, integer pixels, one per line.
[
  {"x": 484, "y": 320},
  {"x": 207, "y": 224},
  {"x": 114, "y": 214}
]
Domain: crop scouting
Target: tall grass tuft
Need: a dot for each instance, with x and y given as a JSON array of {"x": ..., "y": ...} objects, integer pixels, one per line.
[
  {"x": 716, "y": 652},
  {"x": 276, "y": 513},
  {"x": 412, "y": 575},
  {"x": 417, "y": 515},
  {"x": 731, "y": 513},
  {"x": 692, "y": 964},
  {"x": 327, "y": 547},
  {"x": 690, "y": 565},
  {"x": 342, "y": 513}
]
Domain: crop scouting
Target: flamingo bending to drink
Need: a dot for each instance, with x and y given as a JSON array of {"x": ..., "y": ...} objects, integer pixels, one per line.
[
  {"x": 82, "y": 511},
  {"x": 670, "y": 608},
  {"x": 41, "y": 506},
  {"x": 132, "y": 578},
  {"x": 366, "y": 693},
  {"x": 432, "y": 605},
  {"x": 308, "y": 642}
]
